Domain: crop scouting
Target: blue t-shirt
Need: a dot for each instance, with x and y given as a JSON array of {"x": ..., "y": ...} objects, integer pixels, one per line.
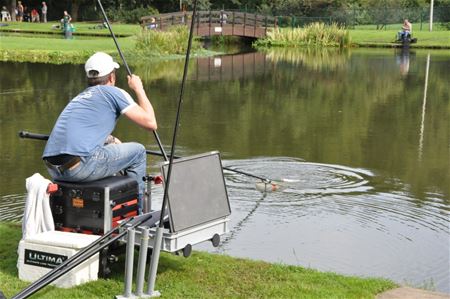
[{"x": 87, "y": 121}]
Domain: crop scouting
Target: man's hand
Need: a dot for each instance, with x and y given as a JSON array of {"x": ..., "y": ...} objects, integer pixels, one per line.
[
  {"x": 135, "y": 83},
  {"x": 142, "y": 113},
  {"x": 112, "y": 140}
]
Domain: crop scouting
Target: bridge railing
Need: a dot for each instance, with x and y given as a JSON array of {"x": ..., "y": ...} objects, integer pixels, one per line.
[{"x": 211, "y": 18}]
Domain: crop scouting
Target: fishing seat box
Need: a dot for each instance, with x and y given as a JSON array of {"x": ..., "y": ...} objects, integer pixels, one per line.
[
  {"x": 94, "y": 207},
  {"x": 42, "y": 252}
]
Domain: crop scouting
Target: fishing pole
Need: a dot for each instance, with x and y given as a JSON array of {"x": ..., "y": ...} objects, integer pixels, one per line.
[
  {"x": 266, "y": 184},
  {"x": 158, "y": 140},
  {"x": 159, "y": 231}
]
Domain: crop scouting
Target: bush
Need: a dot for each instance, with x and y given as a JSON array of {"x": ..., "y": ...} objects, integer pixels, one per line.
[
  {"x": 315, "y": 34},
  {"x": 172, "y": 41},
  {"x": 130, "y": 16}
]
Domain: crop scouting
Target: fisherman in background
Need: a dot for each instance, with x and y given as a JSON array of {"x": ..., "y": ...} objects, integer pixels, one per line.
[{"x": 405, "y": 32}]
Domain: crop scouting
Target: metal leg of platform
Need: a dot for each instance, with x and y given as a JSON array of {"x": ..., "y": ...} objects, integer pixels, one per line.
[
  {"x": 147, "y": 206},
  {"x": 142, "y": 262},
  {"x": 154, "y": 264},
  {"x": 128, "y": 265}
]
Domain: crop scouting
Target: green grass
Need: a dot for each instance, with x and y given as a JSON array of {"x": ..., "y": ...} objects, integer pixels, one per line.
[
  {"x": 136, "y": 44},
  {"x": 416, "y": 27},
  {"x": 80, "y": 28},
  {"x": 385, "y": 38},
  {"x": 202, "y": 275},
  {"x": 57, "y": 50}
]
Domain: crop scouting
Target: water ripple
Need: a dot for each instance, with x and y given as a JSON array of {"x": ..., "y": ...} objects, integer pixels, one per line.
[
  {"x": 323, "y": 189},
  {"x": 11, "y": 207}
]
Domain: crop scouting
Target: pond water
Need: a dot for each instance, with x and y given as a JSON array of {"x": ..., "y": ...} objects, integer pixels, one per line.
[{"x": 360, "y": 140}]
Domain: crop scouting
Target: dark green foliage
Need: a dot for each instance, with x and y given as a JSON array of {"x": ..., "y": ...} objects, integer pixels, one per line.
[{"x": 130, "y": 16}]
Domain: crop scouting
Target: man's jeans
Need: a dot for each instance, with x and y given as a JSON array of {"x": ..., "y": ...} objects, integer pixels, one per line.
[{"x": 106, "y": 161}]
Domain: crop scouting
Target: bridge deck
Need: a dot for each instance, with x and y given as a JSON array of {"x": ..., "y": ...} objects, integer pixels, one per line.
[{"x": 215, "y": 23}]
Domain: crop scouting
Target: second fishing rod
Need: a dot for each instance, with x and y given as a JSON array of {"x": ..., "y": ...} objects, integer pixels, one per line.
[{"x": 158, "y": 140}]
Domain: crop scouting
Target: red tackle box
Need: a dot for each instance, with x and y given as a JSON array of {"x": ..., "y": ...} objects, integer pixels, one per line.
[{"x": 94, "y": 207}]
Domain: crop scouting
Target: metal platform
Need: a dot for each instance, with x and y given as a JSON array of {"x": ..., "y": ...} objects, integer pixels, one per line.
[{"x": 198, "y": 205}]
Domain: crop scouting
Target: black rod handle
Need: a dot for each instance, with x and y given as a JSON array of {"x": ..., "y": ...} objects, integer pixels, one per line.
[{"x": 25, "y": 134}]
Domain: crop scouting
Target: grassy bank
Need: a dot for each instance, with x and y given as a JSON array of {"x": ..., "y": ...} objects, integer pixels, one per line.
[
  {"x": 385, "y": 38},
  {"x": 201, "y": 276},
  {"x": 321, "y": 35},
  {"x": 22, "y": 46},
  {"x": 82, "y": 28},
  {"x": 52, "y": 50}
]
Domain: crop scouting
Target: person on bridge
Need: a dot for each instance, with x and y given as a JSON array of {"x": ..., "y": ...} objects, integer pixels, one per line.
[
  {"x": 77, "y": 149},
  {"x": 223, "y": 17},
  {"x": 152, "y": 24}
]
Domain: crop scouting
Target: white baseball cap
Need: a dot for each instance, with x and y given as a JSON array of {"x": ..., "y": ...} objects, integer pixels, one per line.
[{"x": 100, "y": 62}]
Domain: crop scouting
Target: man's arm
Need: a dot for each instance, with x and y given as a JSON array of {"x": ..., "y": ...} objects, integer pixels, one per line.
[{"x": 142, "y": 113}]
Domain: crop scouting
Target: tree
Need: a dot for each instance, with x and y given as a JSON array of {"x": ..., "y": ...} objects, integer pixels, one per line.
[{"x": 13, "y": 10}]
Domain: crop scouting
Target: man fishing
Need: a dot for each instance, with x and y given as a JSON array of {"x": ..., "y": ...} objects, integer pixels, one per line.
[{"x": 77, "y": 149}]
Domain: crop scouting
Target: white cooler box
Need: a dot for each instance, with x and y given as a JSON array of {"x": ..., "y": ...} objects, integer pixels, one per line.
[{"x": 41, "y": 253}]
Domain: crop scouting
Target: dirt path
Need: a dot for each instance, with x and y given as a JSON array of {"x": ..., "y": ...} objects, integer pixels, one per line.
[{"x": 411, "y": 293}]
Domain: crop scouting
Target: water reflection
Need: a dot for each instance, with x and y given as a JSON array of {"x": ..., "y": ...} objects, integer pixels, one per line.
[
  {"x": 402, "y": 59},
  {"x": 422, "y": 123},
  {"x": 362, "y": 151},
  {"x": 312, "y": 58}
]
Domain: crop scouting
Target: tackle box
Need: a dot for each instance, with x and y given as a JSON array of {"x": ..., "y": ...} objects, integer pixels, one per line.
[{"x": 94, "y": 207}]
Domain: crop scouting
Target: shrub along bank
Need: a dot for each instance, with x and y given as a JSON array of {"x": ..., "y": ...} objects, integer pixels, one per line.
[
  {"x": 314, "y": 34},
  {"x": 202, "y": 275}
]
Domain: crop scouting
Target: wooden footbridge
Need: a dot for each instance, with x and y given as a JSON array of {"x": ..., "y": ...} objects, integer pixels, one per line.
[{"x": 215, "y": 22}]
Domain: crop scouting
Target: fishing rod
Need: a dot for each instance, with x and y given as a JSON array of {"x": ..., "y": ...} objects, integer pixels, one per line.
[
  {"x": 158, "y": 140},
  {"x": 266, "y": 184},
  {"x": 159, "y": 231}
]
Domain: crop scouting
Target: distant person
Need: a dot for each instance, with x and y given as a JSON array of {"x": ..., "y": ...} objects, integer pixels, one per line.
[
  {"x": 44, "y": 12},
  {"x": 20, "y": 10},
  {"x": 67, "y": 27},
  {"x": 26, "y": 14},
  {"x": 152, "y": 24},
  {"x": 6, "y": 17},
  {"x": 223, "y": 17},
  {"x": 66, "y": 19},
  {"x": 406, "y": 30},
  {"x": 34, "y": 15}
]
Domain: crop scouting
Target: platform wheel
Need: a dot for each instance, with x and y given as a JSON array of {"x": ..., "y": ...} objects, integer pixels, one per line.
[
  {"x": 215, "y": 240},
  {"x": 187, "y": 250}
]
